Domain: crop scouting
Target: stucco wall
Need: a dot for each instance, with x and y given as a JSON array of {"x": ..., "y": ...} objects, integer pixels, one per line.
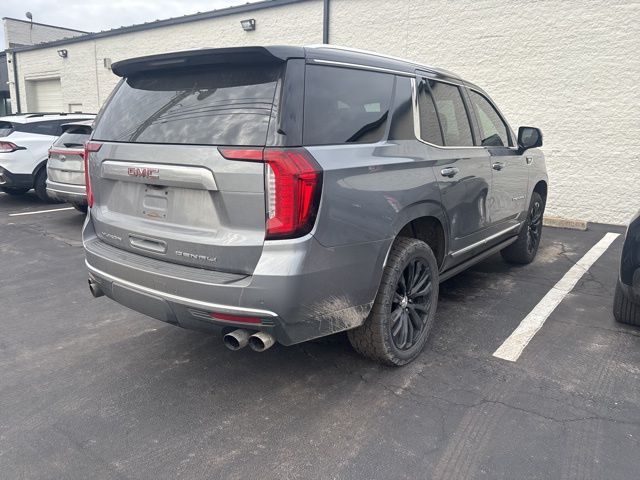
[{"x": 571, "y": 68}]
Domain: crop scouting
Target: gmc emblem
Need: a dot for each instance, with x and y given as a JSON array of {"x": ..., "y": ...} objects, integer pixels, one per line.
[{"x": 143, "y": 172}]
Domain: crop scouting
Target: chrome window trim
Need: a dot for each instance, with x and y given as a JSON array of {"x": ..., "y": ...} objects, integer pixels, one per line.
[
  {"x": 416, "y": 120},
  {"x": 177, "y": 298},
  {"x": 485, "y": 240},
  {"x": 358, "y": 66}
]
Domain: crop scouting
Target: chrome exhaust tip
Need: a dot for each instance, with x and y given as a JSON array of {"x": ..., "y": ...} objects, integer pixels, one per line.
[
  {"x": 95, "y": 289},
  {"x": 261, "y": 341},
  {"x": 236, "y": 340}
]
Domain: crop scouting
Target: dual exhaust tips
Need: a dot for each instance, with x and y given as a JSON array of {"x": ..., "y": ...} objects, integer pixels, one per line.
[{"x": 240, "y": 338}]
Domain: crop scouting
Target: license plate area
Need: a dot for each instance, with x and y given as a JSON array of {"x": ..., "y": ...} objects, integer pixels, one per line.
[{"x": 155, "y": 202}]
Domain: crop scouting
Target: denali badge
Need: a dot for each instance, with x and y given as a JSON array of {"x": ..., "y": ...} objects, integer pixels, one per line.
[
  {"x": 195, "y": 256},
  {"x": 143, "y": 172}
]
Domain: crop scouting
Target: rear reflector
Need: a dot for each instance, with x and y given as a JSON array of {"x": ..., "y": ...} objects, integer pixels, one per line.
[
  {"x": 234, "y": 318},
  {"x": 89, "y": 147},
  {"x": 292, "y": 188}
]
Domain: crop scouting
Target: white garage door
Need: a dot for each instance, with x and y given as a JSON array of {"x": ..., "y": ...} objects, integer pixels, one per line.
[{"x": 45, "y": 95}]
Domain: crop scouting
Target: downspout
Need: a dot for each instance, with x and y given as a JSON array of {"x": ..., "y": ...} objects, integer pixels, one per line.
[
  {"x": 325, "y": 23},
  {"x": 16, "y": 87}
]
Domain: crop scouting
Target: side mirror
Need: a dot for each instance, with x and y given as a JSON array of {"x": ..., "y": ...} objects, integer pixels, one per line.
[{"x": 529, "y": 137}]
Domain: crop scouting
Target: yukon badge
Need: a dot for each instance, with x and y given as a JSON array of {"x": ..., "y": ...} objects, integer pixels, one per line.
[{"x": 144, "y": 172}]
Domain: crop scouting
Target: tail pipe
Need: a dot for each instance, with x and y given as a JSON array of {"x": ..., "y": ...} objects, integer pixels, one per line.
[
  {"x": 261, "y": 341},
  {"x": 95, "y": 289},
  {"x": 237, "y": 339}
]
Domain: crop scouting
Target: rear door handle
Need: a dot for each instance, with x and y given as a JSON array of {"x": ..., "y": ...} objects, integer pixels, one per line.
[
  {"x": 449, "y": 172},
  {"x": 497, "y": 166}
]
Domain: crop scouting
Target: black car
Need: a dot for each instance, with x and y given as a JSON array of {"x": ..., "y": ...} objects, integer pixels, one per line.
[{"x": 626, "y": 303}]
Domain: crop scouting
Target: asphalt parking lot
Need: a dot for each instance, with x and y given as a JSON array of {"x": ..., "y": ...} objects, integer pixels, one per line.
[{"x": 89, "y": 389}]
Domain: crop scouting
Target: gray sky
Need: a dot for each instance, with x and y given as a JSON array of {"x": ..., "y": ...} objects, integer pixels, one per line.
[{"x": 95, "y": 15}]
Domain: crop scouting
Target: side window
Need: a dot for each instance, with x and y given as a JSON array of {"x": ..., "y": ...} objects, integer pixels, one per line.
[
  {"x": 429, "y": 125},
  {"x": 345, "y": 105},
  {"x": 453, "y": 114},
  {"x": 493, "y": 130}
]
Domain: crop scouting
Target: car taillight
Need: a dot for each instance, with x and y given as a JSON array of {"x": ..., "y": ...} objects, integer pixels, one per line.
[
  {"x": 292, "y": 188},
  {"x": 89, "y": 147},
  {"x": 8, "y": 147}
]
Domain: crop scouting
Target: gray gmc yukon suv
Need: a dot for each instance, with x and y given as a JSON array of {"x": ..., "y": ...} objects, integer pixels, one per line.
[{"x": 280, "y": 194}]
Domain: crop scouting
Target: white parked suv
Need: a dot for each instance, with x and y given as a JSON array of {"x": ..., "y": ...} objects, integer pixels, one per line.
[{"x": 24, "y": 146}]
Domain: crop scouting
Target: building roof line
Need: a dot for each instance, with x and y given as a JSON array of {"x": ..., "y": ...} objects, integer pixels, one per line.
[
  {"x": 45, "y": 25},
  {"x": 194, "y": 17}
]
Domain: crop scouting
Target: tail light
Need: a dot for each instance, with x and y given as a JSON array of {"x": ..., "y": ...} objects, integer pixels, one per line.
[
  {"x": 292, "y": 188},
  {"x": 8, "y": 147},
  {"x": 89, "y": 147}
]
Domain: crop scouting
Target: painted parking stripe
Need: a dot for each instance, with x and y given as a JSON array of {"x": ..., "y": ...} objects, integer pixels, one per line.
[
  {"x": 513, "y": 346},
  {"x": 40, "y": 211}
]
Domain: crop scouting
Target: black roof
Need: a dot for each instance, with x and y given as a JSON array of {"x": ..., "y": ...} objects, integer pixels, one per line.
[{"x": 320, "y": 53}]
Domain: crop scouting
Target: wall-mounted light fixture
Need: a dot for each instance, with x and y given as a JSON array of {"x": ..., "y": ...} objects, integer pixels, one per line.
[
  {"x": 107, "y": 63},
  {"x": 63, "y": 53},
  {"x": 248, "y": 25}
]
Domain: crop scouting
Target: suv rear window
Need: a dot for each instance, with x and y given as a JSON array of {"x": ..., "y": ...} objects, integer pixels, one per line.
[
  {"x": 74, "y": 137},
  {"x": 221, "y": 105},
  {"x": 345, "y": 105}
]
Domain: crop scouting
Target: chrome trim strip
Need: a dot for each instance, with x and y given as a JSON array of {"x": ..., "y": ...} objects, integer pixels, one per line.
[
  {"x": 199, "y": 178},
  {"x": 65, "y": 192},
  {"x": 183, "y": 300},
  {"x": 484, "y": 241},
  {"x": 420, "y": 66},
  {"x": 363, "y": 67}
]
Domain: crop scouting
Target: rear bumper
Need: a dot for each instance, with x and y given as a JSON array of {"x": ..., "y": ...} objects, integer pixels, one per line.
[
  {"x": 76, "y": 194},
  {"x": 15, "y": 180},
  {"x": 300, "y": 290}
]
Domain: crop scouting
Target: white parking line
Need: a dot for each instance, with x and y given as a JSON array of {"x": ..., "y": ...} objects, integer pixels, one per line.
[
  {"x": 40, "y": 211},
  {"x": 521, "y": 336}
]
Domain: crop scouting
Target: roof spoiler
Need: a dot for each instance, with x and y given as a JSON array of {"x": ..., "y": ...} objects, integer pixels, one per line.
[{"x": 206, "y": 56}]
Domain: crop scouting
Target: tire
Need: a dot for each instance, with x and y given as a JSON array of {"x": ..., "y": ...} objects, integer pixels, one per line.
[
  {"x": 380, "y": 337},
  {"x": 80, "y": 208},
  {"x": 14, "y": 191},
  {"x": 525, "y": 248},
  {"x": 624, "y": 309},
  {"x": 40, "y": 187}
]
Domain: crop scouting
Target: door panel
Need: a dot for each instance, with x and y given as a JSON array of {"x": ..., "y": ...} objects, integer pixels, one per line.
[
  {"x": 509, "y": 172},
  {"x": 463, "y": 171}
]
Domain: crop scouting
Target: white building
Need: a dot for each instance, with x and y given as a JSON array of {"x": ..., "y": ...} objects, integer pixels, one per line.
[{"x": 570, "y": 68}]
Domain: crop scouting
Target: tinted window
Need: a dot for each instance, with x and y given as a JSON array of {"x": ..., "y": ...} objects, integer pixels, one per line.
[
  {"x": 5, "y": 129},
  {"x": 452, "y": 114},
  {"x": 493, "y": 131},
  {"x": 401, "y": 127},
  {"x": 345, "y": 106},
  {"x": 73, "y": 137},
  {"x": 429, "y": 125},
  {"x": 51, "y": 127},
  {"x": 222, "y": 105}
]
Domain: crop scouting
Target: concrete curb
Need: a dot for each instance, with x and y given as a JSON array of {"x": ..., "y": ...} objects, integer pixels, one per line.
[{"x": 559, "y": 222}]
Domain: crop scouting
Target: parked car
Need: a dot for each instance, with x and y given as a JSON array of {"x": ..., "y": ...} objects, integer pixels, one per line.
[
  {"x": 281, "y": 194},
  {"x": 65, "y": 168},
  {"x": 626, "y": 301},
  {"x": 24, "y": 146}
]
